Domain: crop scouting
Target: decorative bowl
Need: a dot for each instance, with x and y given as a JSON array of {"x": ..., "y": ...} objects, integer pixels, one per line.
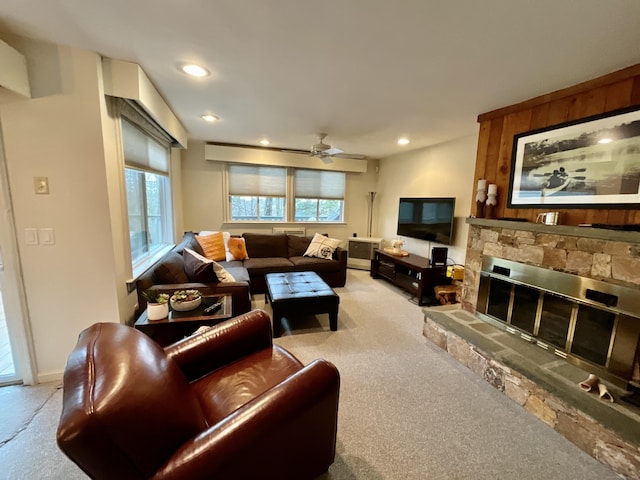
[
  {"x": 183, "y": 301},
  {"x": 186, "y": 306}
]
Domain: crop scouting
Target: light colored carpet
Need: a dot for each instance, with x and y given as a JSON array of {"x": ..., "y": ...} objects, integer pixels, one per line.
[{"x": 407, "y": 410}]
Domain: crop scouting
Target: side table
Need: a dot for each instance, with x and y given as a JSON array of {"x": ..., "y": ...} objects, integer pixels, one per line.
[{"x": 182, "y": 324}]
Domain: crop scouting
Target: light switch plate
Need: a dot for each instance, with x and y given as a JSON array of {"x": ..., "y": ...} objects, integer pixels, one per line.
[
  {"x": 31, "y": 236},
  {"x": 45, "y": 235},
  {"x": 41, "y": 185}
]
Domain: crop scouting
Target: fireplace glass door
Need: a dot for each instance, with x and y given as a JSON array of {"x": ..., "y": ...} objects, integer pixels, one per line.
[
  {"x": 499, "y": 298},
  {"x": 525, "y": 308},
  {"x": 554, "y": 320},
  {"x": 592, "y": 335}
]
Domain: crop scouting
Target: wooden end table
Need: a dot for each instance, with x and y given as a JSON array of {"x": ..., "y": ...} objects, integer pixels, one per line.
[{"x": 182, "y": 324}]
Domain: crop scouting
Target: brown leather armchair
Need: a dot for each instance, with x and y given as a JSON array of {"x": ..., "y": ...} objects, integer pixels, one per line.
[{"x": 225, "y": 404}]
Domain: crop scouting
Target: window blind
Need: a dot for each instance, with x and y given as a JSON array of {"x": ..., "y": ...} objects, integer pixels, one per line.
[
  {"x": 319, "y": 184},
  {"x": 143, "y": 152},
  {"x": 257, "y": 181}
]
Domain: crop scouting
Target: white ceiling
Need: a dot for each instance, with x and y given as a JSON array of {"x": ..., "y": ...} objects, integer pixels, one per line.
[{"x": 364, "y": 71}]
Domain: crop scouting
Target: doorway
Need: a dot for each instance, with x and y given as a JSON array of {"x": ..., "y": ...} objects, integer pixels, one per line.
[
  {"x": 16, "y": 350},
  {"x": 7, "y": 367}
]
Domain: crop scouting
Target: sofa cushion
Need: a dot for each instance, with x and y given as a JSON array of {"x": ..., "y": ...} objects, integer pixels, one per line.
[
  {"x": 261, "y": 245},
  {"x": 171, "y": 269},
  {"x": 240, "y": 274},
  {"x": 198, "y": 268},
  {"x": 236, "y": 249},
  {"x": 322, "y": 247},
  {"x": 297, "y": 245},
  {"x": 213, "y": 246},
  {"x": 260, "y": 266},
  {"x": 313, "y": 264}
]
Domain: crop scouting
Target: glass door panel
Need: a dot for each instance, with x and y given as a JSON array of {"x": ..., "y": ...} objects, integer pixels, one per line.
[
  {"x": 499, "y": 296},
  {"x": 554, "y": 320},
  {"x": 592, "y": 334},
  {"x": 525, "y": 306}
]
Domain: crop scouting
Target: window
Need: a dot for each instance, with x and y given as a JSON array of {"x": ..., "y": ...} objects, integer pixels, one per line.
[
  {"x": 257, "y": 193},
  {"x": 147, "y": 187},
  {"x": 266, "y": 193},
  {"x": 319, "y": 195}
]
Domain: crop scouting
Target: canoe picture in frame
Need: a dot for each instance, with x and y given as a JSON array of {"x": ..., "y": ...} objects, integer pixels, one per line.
[{"x": 590, "y": 163}]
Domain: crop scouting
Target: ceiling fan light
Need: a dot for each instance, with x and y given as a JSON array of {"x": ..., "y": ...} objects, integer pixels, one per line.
[{"x": 195, "y": 70}]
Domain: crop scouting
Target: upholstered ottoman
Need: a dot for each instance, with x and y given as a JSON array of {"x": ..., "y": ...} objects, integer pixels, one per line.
[{"x": 295, "y": 293}]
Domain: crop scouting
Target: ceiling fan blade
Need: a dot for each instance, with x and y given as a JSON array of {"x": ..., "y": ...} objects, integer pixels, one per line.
[
  {"x": 332, "y": 151},
  {"x": 326, "y": 159}
]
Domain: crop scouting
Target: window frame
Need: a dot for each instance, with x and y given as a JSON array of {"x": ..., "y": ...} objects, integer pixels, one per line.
[{"x": 130, "y": 113}]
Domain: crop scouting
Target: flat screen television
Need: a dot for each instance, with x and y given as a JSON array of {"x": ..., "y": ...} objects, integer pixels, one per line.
[{"x": 429, "y": 219}]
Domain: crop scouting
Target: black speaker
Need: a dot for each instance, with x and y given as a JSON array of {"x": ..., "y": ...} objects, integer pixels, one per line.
[{"x": 439, "y": 256}]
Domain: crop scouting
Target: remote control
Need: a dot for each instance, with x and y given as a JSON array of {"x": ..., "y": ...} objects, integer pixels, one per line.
[{"x": 213, "y": 307}]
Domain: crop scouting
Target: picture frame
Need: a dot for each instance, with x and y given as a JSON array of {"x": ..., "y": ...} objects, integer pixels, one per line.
[{"x": 590, "y": 163}]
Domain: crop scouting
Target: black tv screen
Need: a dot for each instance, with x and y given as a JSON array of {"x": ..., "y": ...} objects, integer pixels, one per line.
[{"x": 429, "y": 219}]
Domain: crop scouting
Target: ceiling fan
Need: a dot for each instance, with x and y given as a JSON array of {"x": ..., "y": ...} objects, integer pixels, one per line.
[{"x": 324, "y": 152}]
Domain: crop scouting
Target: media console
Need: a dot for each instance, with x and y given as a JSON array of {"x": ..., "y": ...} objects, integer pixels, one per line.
[{"x": 412, "y": 273}]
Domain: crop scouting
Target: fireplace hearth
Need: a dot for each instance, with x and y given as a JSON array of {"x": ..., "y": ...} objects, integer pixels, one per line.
[{"x": 592, "y": 324}]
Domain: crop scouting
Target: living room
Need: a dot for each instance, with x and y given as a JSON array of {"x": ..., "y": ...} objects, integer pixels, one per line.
[{"x": 84, "y": 274}]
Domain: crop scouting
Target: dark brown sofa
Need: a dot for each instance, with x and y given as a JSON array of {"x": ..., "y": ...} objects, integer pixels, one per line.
[
  {"x": 267, "y": 254},
  {"x": 284, "y": 253},
  {"x": 225, "y": 404},
  {"x": 168, "y": 275}
]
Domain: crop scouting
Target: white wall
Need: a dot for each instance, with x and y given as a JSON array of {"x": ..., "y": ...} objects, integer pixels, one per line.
[
  {"x": 72, "y": 284},
  {"x": 444, "y": 170},
  {"x": 204, "y": 201}
]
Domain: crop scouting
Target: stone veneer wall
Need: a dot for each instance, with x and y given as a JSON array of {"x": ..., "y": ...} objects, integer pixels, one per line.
[{"x": 615, "y": 261}]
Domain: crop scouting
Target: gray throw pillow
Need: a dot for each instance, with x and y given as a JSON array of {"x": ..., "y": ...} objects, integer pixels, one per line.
[
  {"x": 171, "y": 270},
  {"x": 197, "y": 270}
]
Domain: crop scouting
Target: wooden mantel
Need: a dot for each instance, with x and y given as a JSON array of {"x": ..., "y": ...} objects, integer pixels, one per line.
[{"x": 564, "y": 230}]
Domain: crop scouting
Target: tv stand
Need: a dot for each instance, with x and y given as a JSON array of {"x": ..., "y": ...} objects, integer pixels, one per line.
[{"x": 412, "y": 273}]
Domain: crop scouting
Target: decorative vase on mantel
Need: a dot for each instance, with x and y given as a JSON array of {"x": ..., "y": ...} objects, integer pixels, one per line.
[
  {"x": 481, "y": 197},
  {"x": 491, "y": 204}
]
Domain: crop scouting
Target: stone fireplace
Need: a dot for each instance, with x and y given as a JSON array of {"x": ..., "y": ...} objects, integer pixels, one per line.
[
  {"x": 589, "y": 277},
  {"x": 574, "y": 292}
]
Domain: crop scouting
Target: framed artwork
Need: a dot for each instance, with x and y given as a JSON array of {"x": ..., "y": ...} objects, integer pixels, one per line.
[{"x": 591, "y": 163}]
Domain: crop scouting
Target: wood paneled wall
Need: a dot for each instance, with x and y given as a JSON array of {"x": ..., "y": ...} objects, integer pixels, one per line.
[{"x": 493, "y": 161}]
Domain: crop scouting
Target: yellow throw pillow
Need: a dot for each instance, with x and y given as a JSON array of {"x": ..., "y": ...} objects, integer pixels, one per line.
[
  {"x": 212, "y": 246},
  {"x": 237, "y": 249}
]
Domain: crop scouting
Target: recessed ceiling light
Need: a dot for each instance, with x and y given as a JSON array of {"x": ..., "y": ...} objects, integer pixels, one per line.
[
  {"x": 195, "y": 70},
  {"x": 403, "y": 141},
  {"x": 264, "y": 142},
  {"x": 209, "y": 118},
  {"x": 605, "y": 140}
]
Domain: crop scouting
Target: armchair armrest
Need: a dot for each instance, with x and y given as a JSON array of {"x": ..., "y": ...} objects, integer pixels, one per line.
[
  {"x": 222, "y": 344},
  {"x": 298, "y": 416}
]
